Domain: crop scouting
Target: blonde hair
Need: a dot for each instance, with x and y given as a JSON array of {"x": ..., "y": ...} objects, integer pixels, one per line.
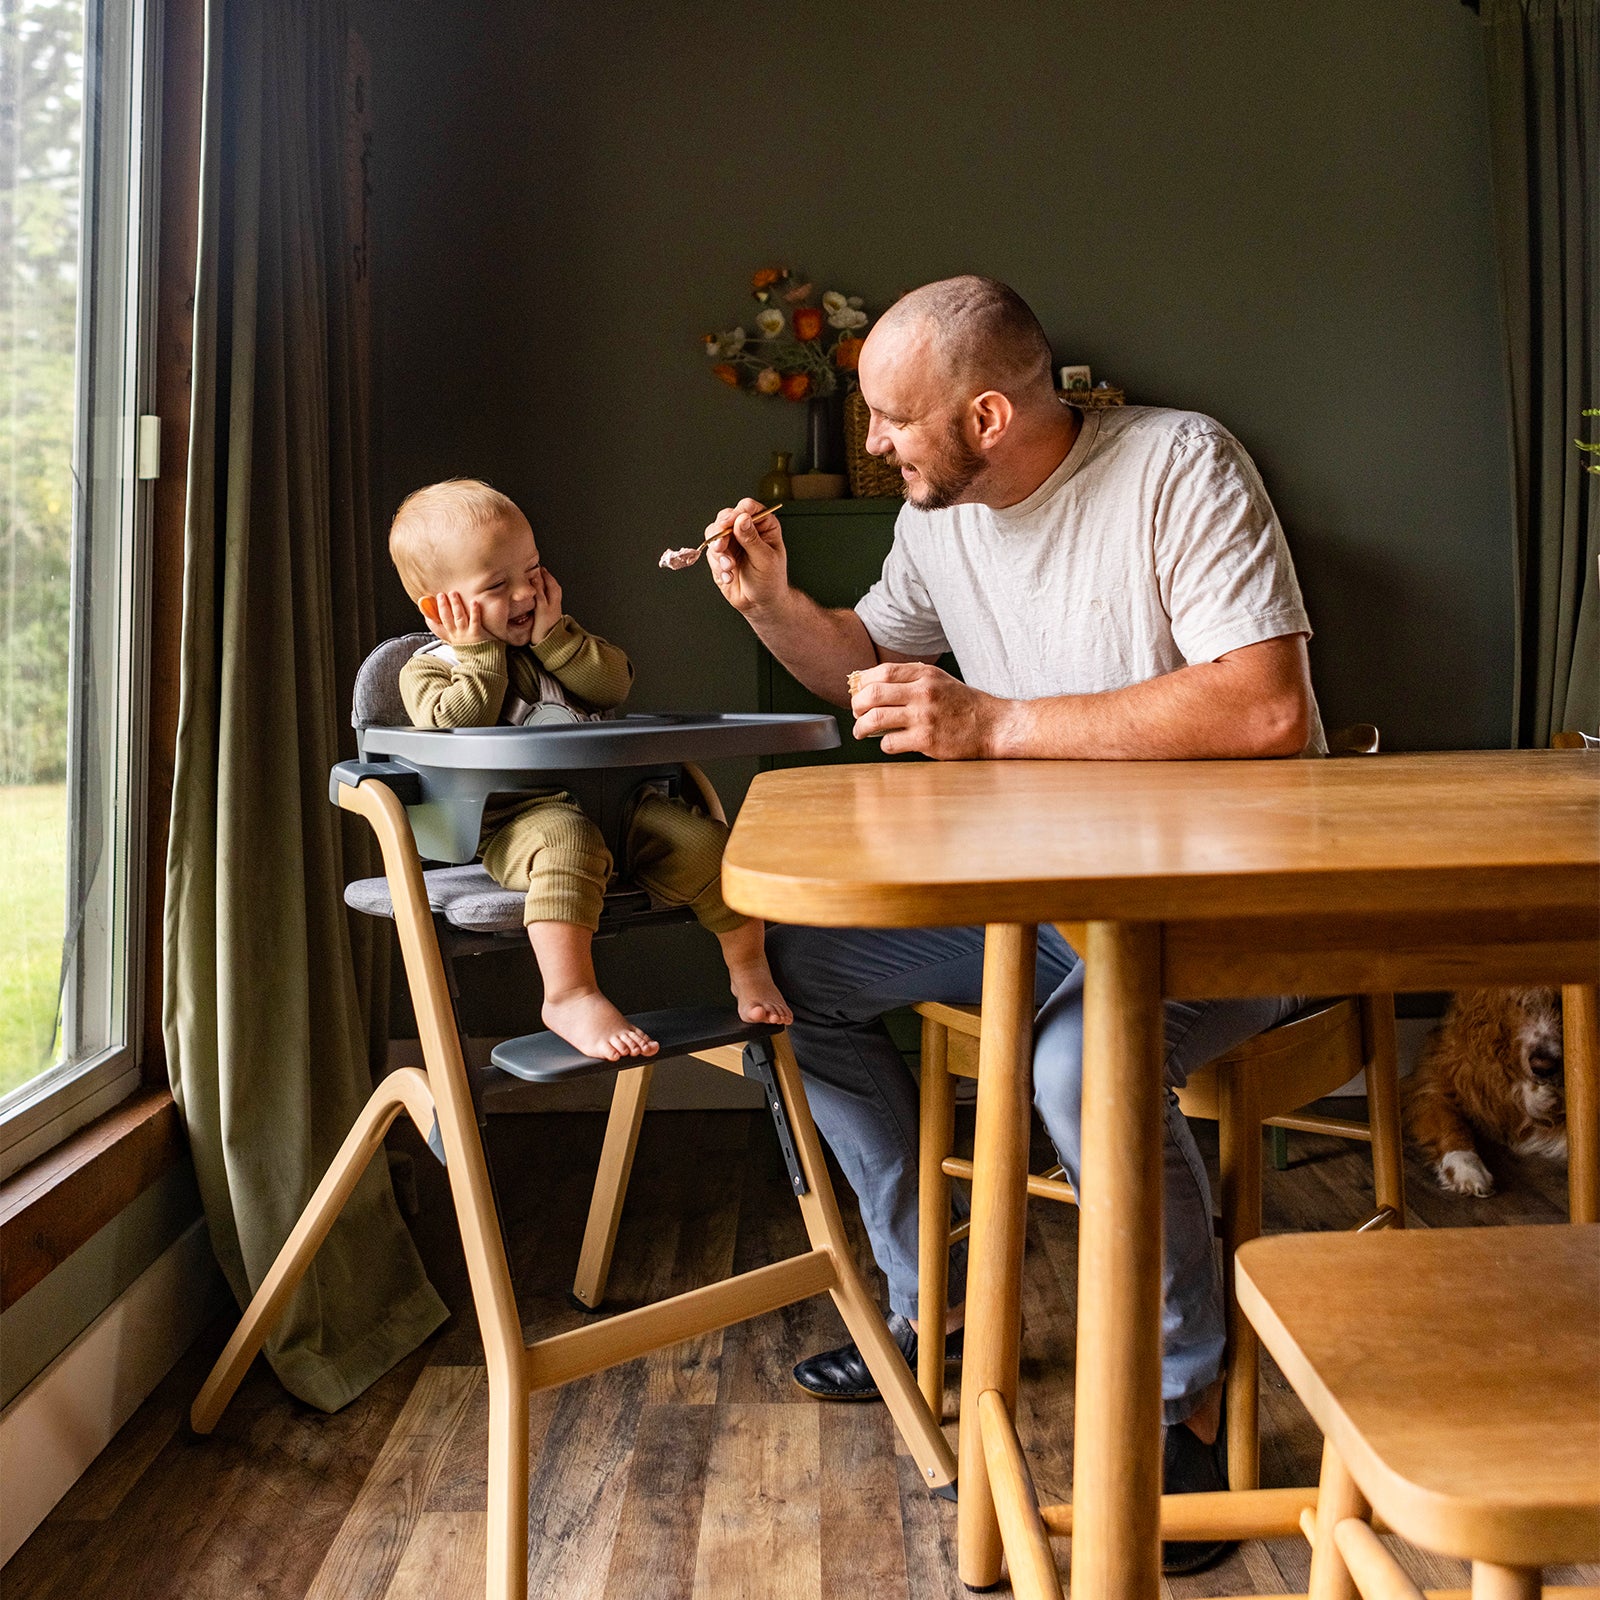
[{"x": 429, "y": 524}]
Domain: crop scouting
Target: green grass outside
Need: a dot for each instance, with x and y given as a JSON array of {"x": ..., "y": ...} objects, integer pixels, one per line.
[{"x": 33, "y": 864}]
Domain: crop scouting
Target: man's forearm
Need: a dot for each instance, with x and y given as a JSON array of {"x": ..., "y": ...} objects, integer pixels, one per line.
[
  {"x": 819, "y": 646},
  {"x": 1216, "y": 709}
]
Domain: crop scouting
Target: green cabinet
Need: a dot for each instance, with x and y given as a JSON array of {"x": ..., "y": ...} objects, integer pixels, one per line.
[{"x": 836, "y": 551}]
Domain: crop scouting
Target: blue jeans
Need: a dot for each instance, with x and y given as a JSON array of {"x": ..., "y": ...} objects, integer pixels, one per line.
[{"x": 864, "y": 1099}]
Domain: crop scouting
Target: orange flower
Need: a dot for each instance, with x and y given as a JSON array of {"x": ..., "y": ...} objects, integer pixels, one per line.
[
  {"x": 765, "y": 277},
  {"x": 847, "y": 354},
  {"x": 796, "y": 386},
  {"x": 727, "y": 372},
  {"x": 807, "y": 322}
]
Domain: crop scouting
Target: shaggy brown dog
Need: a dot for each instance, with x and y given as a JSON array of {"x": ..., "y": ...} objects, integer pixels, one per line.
[{"x": 1494, "y": 1065}]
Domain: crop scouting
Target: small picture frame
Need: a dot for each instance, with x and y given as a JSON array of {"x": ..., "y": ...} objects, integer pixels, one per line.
[{"x": 1074, "y": 380}]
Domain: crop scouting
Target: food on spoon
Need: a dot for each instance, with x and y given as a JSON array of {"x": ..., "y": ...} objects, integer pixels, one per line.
[{"x": 677, "y": 560}]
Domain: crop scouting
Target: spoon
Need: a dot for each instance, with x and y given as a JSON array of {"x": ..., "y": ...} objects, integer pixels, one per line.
[{"x": 679, "y": 560}]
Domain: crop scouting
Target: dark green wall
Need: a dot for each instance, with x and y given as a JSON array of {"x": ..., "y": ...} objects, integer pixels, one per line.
[{"x": 1275, "y": 214}]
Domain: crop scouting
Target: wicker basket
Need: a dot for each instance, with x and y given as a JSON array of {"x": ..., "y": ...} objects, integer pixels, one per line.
[
  {"x": 871, "y": 477},
  {"x": 1094, "y": 399}
]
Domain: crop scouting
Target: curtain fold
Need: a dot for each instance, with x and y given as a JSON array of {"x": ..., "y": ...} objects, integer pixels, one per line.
[
  {"x": 1543, "y": 60},
  {"x": 271, "y": 998}
]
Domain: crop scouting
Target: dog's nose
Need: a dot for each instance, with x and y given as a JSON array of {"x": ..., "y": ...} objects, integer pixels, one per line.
[{"x": 1544, "y": 1064}]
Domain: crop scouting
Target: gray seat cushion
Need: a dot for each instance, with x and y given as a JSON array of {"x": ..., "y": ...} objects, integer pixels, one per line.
[{"x": 467, "y": 896}]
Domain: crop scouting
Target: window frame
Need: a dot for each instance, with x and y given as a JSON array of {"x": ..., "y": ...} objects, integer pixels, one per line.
[{"x": 64, "y": 1098}]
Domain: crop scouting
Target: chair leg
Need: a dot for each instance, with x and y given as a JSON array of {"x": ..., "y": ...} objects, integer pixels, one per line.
[
  {"x": 406, "y": 1090},
  {"x": 820, "y": 1212},
  {"x": 1490, "y": 1582},
  {"x": 938, "y": 1120},
  {"x": 611, "y": 1184},
  {"x": 507, "y": 1574},
  {"x": 1239, "y": 1138},
  {"x": 1337, "y": 1498},
  {"x": 1581, "y": 1027},
  {"x": 1383, "y": 1103},
  {"x": 1278, "y": 1139}
]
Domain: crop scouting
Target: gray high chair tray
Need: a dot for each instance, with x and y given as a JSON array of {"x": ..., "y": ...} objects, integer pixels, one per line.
[{"x": 456, "y": 769}]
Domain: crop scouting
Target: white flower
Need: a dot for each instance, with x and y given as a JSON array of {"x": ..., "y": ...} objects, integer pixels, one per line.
[
  {"x": 768, "y": 381},
  {"x": 855, "y": 302},
  {"x": 770, "y": 322},
  {"x": 833, "y": 302},
  {"x": 713, "y": 346},
  {"x": 847, "y": 318},
  {"x": 733, "y": 341}
]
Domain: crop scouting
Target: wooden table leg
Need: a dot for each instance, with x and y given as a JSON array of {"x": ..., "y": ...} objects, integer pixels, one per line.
[
  {"x": 1581, "y": 1026},
  {"x": 1116, "y": 1479},
  {"x": 999, "y": 1217}
]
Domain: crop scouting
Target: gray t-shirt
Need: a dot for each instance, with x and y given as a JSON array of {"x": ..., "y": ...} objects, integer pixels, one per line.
[{"x": 1151, "y": 547}]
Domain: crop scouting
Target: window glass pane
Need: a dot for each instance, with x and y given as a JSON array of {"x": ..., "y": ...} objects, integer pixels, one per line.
[{"x": 69, "y": 142}]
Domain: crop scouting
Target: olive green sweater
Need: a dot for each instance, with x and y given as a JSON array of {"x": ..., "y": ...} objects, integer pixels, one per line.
[{"x": 470, "y": 692}]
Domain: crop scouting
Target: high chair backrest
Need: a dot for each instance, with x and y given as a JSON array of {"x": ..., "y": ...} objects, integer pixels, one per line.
[{"x": 376, "y": 702}]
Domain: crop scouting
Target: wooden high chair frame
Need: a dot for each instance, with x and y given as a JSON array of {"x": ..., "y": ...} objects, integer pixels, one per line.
[{"x": 439, "y": 1093}]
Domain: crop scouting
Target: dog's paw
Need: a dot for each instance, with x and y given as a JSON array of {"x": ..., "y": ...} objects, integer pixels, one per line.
[{"x": 1463, "y": 1173}]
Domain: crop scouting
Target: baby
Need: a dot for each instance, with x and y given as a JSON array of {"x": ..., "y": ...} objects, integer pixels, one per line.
[{"x": 508, "y": 654}]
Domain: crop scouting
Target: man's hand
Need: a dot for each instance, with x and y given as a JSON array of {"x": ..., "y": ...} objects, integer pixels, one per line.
[
  {"x": 750, "y": 564},
  {"x": 453, "y": 619},
  {"x": 917, "y": 707},
  {"x": 546, "y": 604}
]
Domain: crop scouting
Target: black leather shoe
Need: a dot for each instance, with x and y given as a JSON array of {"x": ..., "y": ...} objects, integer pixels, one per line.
[
  {"x": 842, "y": 1374},
  {"x": 1190, "y": 1466}
]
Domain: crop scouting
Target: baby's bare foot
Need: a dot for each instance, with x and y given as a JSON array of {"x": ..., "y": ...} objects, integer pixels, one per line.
[
  {"x": 590, "y": 1023},
  {"x": 757, "y": 994}
]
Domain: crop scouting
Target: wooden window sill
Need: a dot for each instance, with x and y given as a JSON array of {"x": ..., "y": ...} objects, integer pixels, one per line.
[{"x": 59, "y": 1202}]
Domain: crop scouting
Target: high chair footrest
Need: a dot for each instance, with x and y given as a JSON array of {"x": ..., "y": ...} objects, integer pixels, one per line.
[{"x": 546, "y": 1058}]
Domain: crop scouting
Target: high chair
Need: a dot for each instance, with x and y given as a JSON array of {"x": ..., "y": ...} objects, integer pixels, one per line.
[
  {"x": 422, "y": 791},
  {"x": 1263, "y": 1081},
  {"x": 1455, "y": 1375}
]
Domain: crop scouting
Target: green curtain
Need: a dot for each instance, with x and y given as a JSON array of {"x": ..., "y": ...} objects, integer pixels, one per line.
[
  {"x": 1544, "y": 114},
  {"x": 272, "y": 998}
]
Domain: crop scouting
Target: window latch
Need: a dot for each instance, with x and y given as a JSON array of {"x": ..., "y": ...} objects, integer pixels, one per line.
[{"x": 147, "y": 450}]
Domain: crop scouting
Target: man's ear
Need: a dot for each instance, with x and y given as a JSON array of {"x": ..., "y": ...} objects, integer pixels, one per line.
[{"x": 991, "y": 415}]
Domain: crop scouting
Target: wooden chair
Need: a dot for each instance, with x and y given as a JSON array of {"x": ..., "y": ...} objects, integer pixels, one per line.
[
  {"x": 1455, "y": 1374},
  {"x": 1300, "y": 1060}
]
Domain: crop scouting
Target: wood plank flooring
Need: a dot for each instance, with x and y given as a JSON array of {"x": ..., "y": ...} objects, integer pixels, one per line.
[{"x": 700, "y": 1471}]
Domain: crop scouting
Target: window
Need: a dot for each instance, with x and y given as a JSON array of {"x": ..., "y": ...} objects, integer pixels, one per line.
[{"x": 72, "y": 510}]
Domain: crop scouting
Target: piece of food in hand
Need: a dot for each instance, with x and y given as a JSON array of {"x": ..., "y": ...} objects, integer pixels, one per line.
[
  {"x": 853, "y": 684},
  {"x": 429, "y": 607},
  {"x": 677, "y": 560}
]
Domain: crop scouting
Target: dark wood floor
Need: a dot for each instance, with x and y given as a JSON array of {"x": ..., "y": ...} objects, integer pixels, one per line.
[{"x": 700, "y": 1471}]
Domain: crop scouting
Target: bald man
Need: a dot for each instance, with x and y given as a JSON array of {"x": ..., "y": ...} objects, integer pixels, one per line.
[{"x": 1114, "y": 585}]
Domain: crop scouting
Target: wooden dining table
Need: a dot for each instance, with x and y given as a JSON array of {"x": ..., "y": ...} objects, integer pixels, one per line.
[{"x": 1196, "y": 880}]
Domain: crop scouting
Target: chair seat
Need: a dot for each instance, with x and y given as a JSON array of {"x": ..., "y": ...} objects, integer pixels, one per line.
[
  {"x": 466, "y": 897},
  {"x": 469, "y": 899},
  {"x": 1456, "y": 1371},
  {"x": 547, "y": 1058}
]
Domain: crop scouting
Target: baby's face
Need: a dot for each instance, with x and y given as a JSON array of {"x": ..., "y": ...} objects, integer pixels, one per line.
[{"x": 499, "y": 568}]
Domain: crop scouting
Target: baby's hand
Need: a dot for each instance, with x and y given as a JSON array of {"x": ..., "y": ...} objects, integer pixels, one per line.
[
  {"x": 453, "y": 619},
  {"x": 546, "y": 603}
]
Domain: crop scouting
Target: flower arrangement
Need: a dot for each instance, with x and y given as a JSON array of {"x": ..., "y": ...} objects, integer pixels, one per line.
[{"x": 790, "y": 353}]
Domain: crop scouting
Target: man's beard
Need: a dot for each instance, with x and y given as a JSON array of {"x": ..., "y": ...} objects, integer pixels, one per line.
[{"x": 946, "y": 479}]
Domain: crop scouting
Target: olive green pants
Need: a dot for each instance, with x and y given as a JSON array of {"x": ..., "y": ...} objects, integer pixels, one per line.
[{"x": 551, "y": 849}]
